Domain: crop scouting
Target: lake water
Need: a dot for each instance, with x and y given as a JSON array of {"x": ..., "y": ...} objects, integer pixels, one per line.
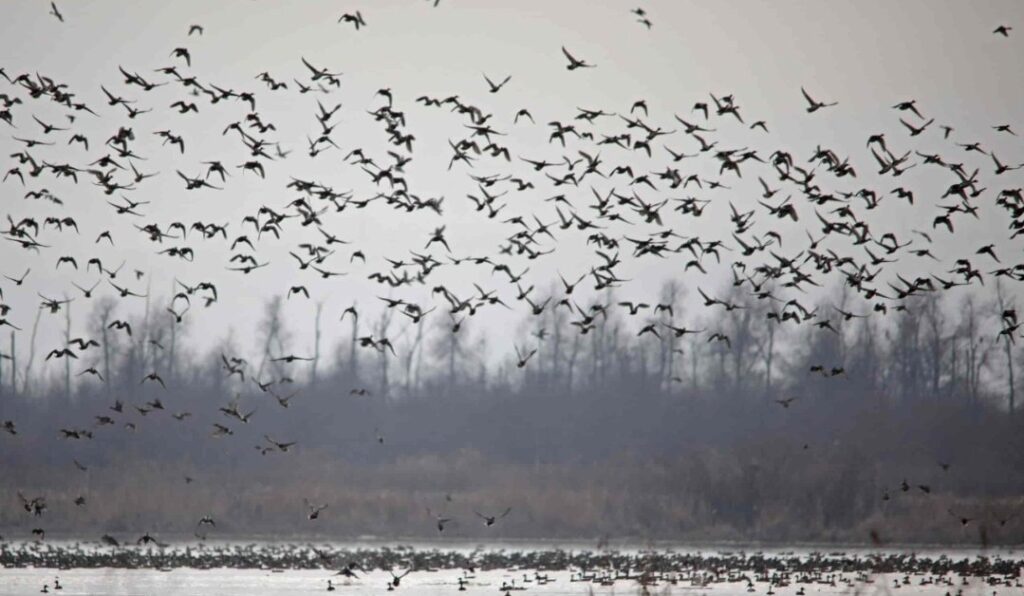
[
  {"x": 798, "y": 579},
  {"x": 230, "y": 582}
]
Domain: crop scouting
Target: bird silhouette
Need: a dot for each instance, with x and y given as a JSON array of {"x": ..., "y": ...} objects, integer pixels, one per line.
[
  {"x": 574, "y": 63},
  {"x": 814, "y": 105}
]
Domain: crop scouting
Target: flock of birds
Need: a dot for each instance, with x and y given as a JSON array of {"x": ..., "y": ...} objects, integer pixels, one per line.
[
  {"x": 611, "y": 178},
  {"x": 514, "y": 571}
]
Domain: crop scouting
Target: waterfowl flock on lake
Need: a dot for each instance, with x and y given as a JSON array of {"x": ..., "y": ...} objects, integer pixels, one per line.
[{"x": 544, "y": 569}]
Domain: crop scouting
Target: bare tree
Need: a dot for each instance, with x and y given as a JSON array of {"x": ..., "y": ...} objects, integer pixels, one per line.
[
  {"x": 450, "y": 347},
  {"x": 409, "y": 356},
  {"x": 381, "y": 333},
  {"x": 670, "y": 294},
  {"x": 695, "y": 365},
  {"x": 935, "y": 323},
  {"x": 172, "y": 348},
  {"x": 1006, "y": 304},
  {"x": 743, "y": 339},
  {"x": 906, "y": 352},
  {"x": 573, "y": 357},
  {"x": 27, "y": 375},
  {"x": 865, "y": 356},
  {"x": 274, "y": 335},
  {"x": 976, "y": 351},
  {"x": 353, "y": 354},
  {"x": 67, "y": 342},
  {"x": 14, "y": 366},
  {"x": 3, "y": 357},
  {"x": 102, "y": 316},
  {"x": 316, "y": 342},
  {"x": 556, "y": 320}
]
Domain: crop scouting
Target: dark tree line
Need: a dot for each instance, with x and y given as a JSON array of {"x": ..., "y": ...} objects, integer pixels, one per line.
[{"x": 737, "y": 437}]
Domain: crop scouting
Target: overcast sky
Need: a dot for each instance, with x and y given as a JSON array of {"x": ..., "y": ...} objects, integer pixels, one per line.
[{"x": 865, "y": 55}]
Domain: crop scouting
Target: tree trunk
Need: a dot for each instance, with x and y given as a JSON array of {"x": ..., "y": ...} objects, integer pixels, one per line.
[
  {"x": 572, "y": 361},
  {"x": 2, "y": 358},
  {"x": 353, "y": 362},
  {"x": 14, "y": 367},
  {"x": 410, "y": 356},
  {"x": 67, "y": 342},
  {"x": 144, "y": 345},
  {"x": 272, "y": 324},
  {"x": 31, "y": 353},
  {"x": 954, "y": 380},
  {"x": 556, "y": 349},
  {"x": 1004, "y": 305},
  {"x": 769, "y": 359},
  {"x": 172, "y": 352},
  {"x": 316, "y": 343},
  {"x": 382, "y": 332},
  {"x": 452, "y": 346},
  {"x": 1009, "y": 368},
  {"x": 694, "y": 381},
  {"x": 105, "y": 337}
]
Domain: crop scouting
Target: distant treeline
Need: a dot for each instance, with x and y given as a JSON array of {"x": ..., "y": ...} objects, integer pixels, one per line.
[{"x": 895, "y": 428}]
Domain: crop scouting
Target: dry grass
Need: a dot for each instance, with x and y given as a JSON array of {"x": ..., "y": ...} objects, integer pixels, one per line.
[{"x": 621, "y": 498}]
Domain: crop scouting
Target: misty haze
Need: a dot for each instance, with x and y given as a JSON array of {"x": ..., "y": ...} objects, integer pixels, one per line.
[{"x": 564, "y": 297}]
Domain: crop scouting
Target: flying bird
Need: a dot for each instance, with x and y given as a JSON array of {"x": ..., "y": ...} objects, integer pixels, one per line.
[
  {"x": 814, "y": 105},
  {"x": 573, "y": 62}
]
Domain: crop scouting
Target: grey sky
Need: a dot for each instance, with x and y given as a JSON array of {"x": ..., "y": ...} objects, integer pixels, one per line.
[{"x": 867, "y": 55}]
